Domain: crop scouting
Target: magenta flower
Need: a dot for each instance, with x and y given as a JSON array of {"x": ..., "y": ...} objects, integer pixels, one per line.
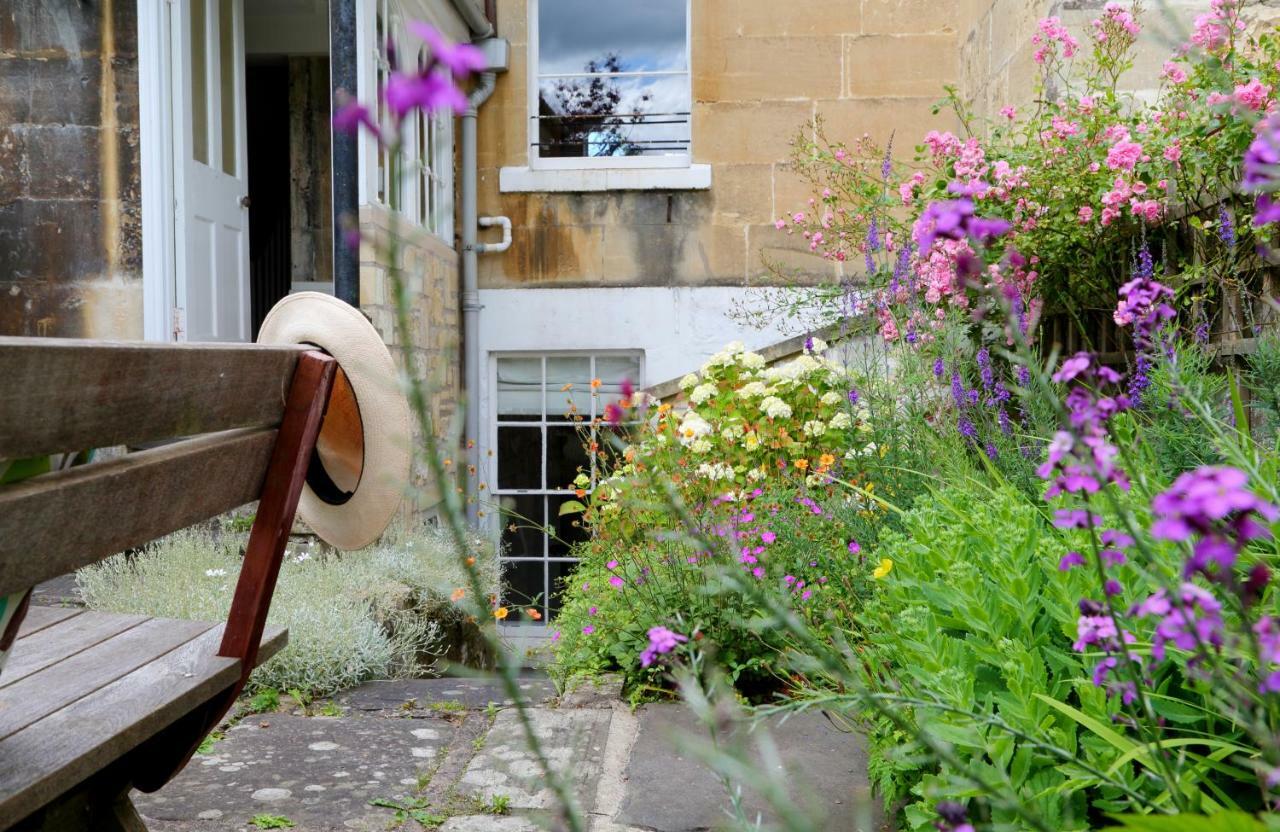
[
  {"x": 1069, "y": 560},
  {"x": 351, "y": 116},
  {"x": 430, "y": 91},
  {"x": 461, "y": 58},
  {"x": 588, "y": 630},
  {"x": 661, "y": 641},
  {"x": 1191, "y": 621},
  {"x": 616, "y": 582},
  {"x": 1213, "y": 506}
]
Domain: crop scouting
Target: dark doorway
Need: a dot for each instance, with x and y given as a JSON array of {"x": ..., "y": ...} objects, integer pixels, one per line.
[{"x": 270, "y": 218}]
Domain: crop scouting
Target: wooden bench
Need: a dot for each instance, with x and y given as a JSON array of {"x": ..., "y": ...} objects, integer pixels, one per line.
[{"x": 91, "y": 704}]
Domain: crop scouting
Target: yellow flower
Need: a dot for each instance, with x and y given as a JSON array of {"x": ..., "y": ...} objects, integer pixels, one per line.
[
  {"x": 500, "y": 613},
  {"x": 885, "y": 567},
  {"x": 458, "y": 594}
]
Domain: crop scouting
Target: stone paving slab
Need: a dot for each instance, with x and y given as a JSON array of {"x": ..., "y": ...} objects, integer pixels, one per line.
[
  {"x": 573, "y": 741},
  {"x": 824, "y": 769},
  {"x": 465, "y": 693},
  {"x": 319, "y": 772}
]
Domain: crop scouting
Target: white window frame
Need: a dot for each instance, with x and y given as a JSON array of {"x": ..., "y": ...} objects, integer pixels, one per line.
[
  {"x": 545, "y": 492},
  {"x": 538, "y": 163}
]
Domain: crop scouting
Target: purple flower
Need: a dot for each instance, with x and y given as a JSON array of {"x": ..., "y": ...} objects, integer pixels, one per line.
[
  {"x": 429, "y": 92},
  {"x": 1024, "y": 375},
  {"x": 461, "y": 58},
  {"x": 1142, "y": 304},
  {"x": 939, "y": 367},
  {"x": 966, "y": 428},
  {"x": 1069, "y": 560},
  {"x": 954, "y": 219},
  {"x": 661, "y": 641},
  {"x": 957, "y": 390},
  {"x": 616, "y": 582},
  {"x": 1226, "y": 228},
  {"x": 1081, "y": 459},
  {"x": 1213, "y": 506},
  {"x": 351, "y": 115},
  {"x": 984, "y": 368},
  {"x": 1191, "y": 620},
  {"x": 1262, "y": 170},
  {"x": 873, "y": 235},
  {"x": 854, "y": 548},
  {"x": 588, "y": 630},
  {"x": 991, "y": 451},
  {"x": 952, "y": 817},
  {"x": 853, "y": 396}
]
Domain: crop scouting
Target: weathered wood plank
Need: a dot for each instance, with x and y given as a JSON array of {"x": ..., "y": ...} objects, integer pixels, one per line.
[
  {"x": 39, "y": 618},
  {"x": 77, "y": 677},
  {"x": 64, "y": 639},
  {"x": 60, "y": 395},
  {"x": 54, "y": 755},
  {"x": 58, "y": 522},
  {"x": 280, "y": 493}
]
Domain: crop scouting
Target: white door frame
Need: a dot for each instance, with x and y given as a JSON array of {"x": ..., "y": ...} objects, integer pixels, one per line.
[{"x": 159, "y": 206}]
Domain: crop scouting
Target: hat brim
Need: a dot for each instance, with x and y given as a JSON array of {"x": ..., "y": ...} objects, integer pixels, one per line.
[{"x": 343, "y": 332}]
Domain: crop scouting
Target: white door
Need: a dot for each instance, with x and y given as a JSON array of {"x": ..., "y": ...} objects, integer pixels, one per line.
[{"x": 210, "y": 172}]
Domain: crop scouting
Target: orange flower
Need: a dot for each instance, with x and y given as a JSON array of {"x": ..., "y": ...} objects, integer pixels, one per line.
[
  {"x": 472, "y": 561},
  {"x": 458, "y": 595},
  {"x": 534, "y": 614},
  {"x": 595, "y": 384},
  {"x": 827, "y": 460},
  {"x": 500, "y": 613},
  {"x": 579, "y": 492},
  {"x": 802, "y": 464}
]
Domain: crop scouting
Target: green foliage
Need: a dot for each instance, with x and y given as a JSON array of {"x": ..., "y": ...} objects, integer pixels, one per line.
[
  {"x": 499, "y": 804},
  {"x": 377, "y": 613},
  {"x": 265, "y": 700},
  {"x": 1173, "y": 433},
  {"x": 272, "y": 822},
  {"x": 417, "y": 810},
  {"x": 1263, "y": 380},
  {"x": 207, "y": 744}
]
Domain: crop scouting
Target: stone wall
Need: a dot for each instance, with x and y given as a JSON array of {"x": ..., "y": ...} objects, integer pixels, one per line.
[
  {"x": 761, "y": 71},
  {"x": 430, "y": 269},
  {"x": 70, "y": 233}
]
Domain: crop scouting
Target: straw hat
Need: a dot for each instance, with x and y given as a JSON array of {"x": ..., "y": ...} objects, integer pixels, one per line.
[{"x": 360, "y": 469}]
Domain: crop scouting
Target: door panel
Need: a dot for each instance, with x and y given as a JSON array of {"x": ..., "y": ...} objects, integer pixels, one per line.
[{"x": 210, "y": 174}]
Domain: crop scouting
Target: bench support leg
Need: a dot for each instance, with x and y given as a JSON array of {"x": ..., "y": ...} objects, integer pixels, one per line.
[{"x": 100, "y": 806}]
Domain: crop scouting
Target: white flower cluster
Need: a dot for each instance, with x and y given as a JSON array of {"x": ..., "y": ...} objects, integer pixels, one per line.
[
  {"x": 775, "y": 408},
  {"x": 715, "y": 471}
]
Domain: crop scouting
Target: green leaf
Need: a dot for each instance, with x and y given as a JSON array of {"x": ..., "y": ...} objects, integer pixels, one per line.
[
  {"x": 1118, "y": 740},
  {"x": 1220, "y": 822},
  {"x": 571, "y": 507}
]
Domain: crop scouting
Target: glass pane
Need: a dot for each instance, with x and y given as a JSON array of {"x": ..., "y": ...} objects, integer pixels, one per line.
[
  {"x": 519, "y": 389},
  {"x": 229, "y": 72},
  {"x": 560, "y": 573},
  {"x": 566, "y": 456},
  {"x": 519, "y": 457},
  {"x": 523, "y": 522},
  {"x": 644, "y": 115},
  {"x": 199, "y": 92},
  {"x": 612, "y": 35},
  {"x": 523, "y": 585},
  {"x": 568, "y": 388},
  {"x": 612, "y": 370},
  {"x": 568, "y": 528}
]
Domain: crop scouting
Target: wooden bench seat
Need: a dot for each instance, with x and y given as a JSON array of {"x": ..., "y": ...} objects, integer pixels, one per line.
[{"x": 95, "y": 686}]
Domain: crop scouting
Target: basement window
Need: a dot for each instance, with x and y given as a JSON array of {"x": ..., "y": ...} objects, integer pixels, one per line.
[
  {"x": 609, "y": 84},
  {"x": 548, "y": 421}
]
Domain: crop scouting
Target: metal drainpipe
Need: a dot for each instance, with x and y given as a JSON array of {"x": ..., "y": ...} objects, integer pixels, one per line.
[{"x": 470, "y": 290}]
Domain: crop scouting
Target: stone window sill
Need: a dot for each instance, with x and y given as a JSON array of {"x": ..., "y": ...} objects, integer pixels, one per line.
[{"x": 524, "y": 179}]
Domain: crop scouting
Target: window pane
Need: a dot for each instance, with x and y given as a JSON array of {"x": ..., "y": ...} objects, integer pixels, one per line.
[
  {"x": 568, "y": 388},
  {"x": 574, "y": 35},
  {"x": 612, "y": 370},
  {"x": 560, "y": 574},
  {"x": 199, "y": 82},
  {"x": 568, "y": 528},
  {"x": 566, "y": 457},
  {"x": 519, "y": 457},
  {"x": 523, "y": 522},
  {"x": 645, "y": 115},
  {"x": 229, "y": 73},
  {"x": 520, "y": 389},
  {"x": 523, "y": 585}
]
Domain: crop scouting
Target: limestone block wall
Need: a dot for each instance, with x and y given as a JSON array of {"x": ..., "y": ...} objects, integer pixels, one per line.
[
  {"x": 761, "y": 70},
  {"x": 430, "y": 267},
  {"x": 70, "y": 189}
]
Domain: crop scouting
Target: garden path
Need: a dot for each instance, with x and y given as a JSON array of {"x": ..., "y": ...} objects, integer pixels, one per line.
[{"x": 426, "y": 752}]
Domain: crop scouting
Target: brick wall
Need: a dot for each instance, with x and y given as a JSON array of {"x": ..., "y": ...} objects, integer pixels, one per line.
[
  {"x": 70, "y": 235},
  {"x": 430, "y": 269},
  {"x": 761, "y": 71}
]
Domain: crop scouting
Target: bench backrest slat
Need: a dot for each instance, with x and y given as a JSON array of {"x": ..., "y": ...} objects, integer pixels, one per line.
[
  {"x": 58, "y": 522},
  {"x": 64, "y": 395}
]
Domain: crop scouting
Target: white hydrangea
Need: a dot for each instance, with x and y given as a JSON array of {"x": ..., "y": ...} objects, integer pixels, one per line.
[
  {"x": 715, "y": 471},
  {"x": 690, "y": 380},
  {"x": 752, "y": 389},
  {"x": 775, "y": 408},
  {"x": 830, "y": 398},
  {"x": 840, "y": 421},
  {"x": 751, "y": 360},
  {"x": 700, "y": 446},
  {"x": 815, "y": 427},
  {"x": 692, "y": 428},
  {"x": 702, "y": 392}
]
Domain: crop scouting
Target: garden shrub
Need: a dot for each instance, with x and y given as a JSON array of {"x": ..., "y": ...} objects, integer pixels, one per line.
[{"x": 376, "y": 613}]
